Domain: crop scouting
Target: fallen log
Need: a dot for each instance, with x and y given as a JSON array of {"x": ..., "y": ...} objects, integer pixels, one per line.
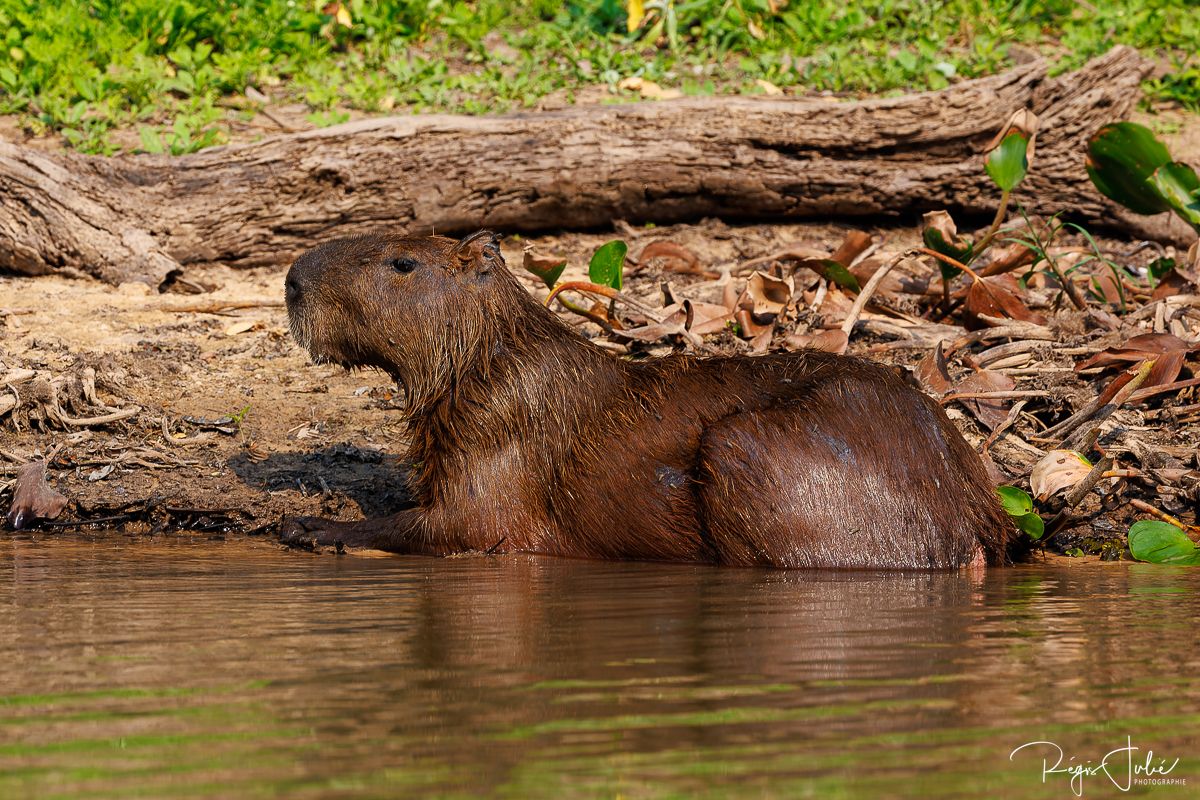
[{"x": 142, "y": 216}]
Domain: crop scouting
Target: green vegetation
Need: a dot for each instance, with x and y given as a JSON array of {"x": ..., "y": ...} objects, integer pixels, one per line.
[
  {"x": 1019, "y": 506},
  {"x": 1162, "y": 543},
  {"x": 1128, "y": 164},
  {"x": 178, "y": 70}
]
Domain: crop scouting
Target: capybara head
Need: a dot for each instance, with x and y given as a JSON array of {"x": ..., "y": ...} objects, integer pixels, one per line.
[{"x": 416, "y": 307}]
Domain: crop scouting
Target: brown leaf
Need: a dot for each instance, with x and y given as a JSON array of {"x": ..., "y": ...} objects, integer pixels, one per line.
[
  {"x": 991, "y": 412},
  {"x": 648, "y": 89},
  {"x": 767, "y": 294},
  {"x": 988, "y": 297},
  {"x": 831, "y": 341},
  {"x": 710, "y": 318},
  {"x": 1139, "y": 348},
  {"x": 1170, "y": 285},
  {"x": 33, "y": 499},
  {"x": 855, "y": 243},
  {"x": 1006, "y": 258},
  {"x": 676, "y": 258},
  {"x": 672, "y": 325},
  {"x": 750, "y": 328},
  {"x": 933, "y": 372}
]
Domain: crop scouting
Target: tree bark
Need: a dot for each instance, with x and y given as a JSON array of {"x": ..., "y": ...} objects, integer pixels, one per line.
[{"x": 141, "y": 216}]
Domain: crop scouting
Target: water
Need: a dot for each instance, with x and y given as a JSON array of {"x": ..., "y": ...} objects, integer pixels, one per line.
[{"x": 131, "y": 668}]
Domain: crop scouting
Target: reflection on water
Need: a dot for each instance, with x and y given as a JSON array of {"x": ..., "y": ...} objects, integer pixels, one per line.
[{"x": 233, "y": 669}]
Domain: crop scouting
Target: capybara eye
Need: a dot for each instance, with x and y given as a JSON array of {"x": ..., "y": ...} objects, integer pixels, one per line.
[{"x": 404, "y": 264}]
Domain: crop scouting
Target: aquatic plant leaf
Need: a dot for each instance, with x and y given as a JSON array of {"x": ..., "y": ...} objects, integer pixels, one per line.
[
  {"x": 1016, "y": 502},
  {"x": 607, "y": 266},
  {"x": 1162, "y": 543},
  {"x": 1008, "y": 163},
  {"x": 1121, "y": 158},
  {"x": 1019, "y": 506},
  {"x": 1179, "y": 186}
]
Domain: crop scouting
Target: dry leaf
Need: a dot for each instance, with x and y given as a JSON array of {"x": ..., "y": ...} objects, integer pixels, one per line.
[
  {"x": 831, "y": 341},
  {"x": 767, "y": 294},
  {"x": 991, "y": 412},
  {"x": 675, "y": 258},
  {"x": 989, "y": 298},
  {"x": 241, "y": 326},
  {"x": 1137, "y": 349},
  {"x": 749, "y": 328},
  {"x": 768, "y": 87},
  {"x": 672, "y": 325},
  {"x": 854, "y": 245},
  {"x": 943, "y": 223},
  {"x": 648, "y": 89},
  {"x": 933, "y": 371},
  {"x": 1057, "y": 470}
]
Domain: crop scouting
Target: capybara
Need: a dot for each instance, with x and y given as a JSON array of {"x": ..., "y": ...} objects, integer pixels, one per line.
[{"x": 526, "y": 437}]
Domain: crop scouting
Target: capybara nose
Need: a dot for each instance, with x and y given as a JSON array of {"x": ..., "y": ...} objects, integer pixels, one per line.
[{"x": 291, "y": 288}]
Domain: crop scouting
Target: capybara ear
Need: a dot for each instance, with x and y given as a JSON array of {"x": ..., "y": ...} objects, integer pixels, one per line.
[{"x": 480, "y": 251}]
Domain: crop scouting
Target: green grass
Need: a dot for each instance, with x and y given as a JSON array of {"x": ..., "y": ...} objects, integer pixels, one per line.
[{"x": 177, "y": 70}]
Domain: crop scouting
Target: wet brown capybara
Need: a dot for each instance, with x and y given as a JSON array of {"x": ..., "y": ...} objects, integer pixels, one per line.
[{"x": 527, "y": 437}]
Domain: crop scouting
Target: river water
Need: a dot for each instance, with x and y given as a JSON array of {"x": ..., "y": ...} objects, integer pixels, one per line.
[{"x": 195, "y": 668}]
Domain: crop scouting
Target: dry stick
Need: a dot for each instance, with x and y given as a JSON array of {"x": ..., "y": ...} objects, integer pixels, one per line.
[
  {"x": 1095, "y": 410},
  {"x": 1076, "y": 495},
  {"x": 1141, "y": 505},
  {"x": 217, "y": 306},
  {"x": 998, "y": 395},
  {"x": 1168, "y": 387},
  {"x": 1005, "y": 425},
  {"x": 860, "y": 302},
  {"x": 83, "y": 422}
]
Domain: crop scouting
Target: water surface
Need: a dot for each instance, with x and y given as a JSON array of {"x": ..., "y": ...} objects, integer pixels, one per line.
[{"x": 133, "y": 668}]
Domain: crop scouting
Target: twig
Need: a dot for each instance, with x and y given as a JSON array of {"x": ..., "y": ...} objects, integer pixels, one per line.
[
  {"x": 860, "y": 302},
  {"x": 217, "y": 306},
  {"x": 999, "y": 395},
  {"x": 1076, "y": 495},
  {"x": 83, "y": 422},
  {"x": 1094, "y": 409},
  {"x": 1141, "y": 505}
]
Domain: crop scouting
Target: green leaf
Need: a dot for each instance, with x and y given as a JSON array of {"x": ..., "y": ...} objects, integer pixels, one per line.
[
  {"x": 1015, "y": 501},
  {"x": 1008, "y": 163},
  {"x": 1158, "y": 268},
  {"x": 549, "y": 275},
  {"x": 1019, "y": 506},
  {"x": 831, "y": 270},
  {"x": 1120, "y": 160},
  {"x": 607, "y": 264},
  {"x": 1162, "y": 543},
  {"x": 934, "y": 240},
  {"x": 1179, "y": 186}
]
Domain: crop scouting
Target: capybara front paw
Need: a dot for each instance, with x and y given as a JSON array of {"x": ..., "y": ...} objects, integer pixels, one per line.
[{"x": 310, "y": 533}]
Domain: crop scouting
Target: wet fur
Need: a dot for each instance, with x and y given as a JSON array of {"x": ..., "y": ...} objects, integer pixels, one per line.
[{"x": 526, "y": 437}]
